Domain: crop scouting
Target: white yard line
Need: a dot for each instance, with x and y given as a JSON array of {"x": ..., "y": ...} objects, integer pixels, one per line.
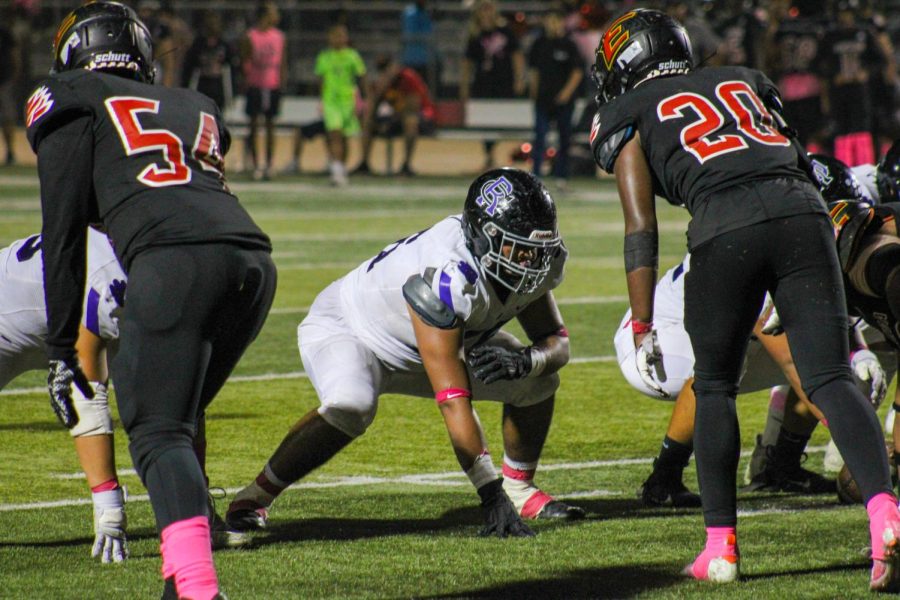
[{"x": 444, "y": 478}]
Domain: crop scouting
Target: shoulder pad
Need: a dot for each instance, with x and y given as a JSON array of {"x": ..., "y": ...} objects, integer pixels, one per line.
[
  {"x": 48, "y": 107},
  {"x": 427, "y": 304},
  {"x": 606, "y": 148}
]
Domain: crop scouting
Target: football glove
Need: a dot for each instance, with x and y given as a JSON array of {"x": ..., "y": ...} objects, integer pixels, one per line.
[
  {"x": 500, "y": 516},
  {"x": 772, "y": 325},
  {"x": 493, "y": 363},
  {"x": 109, "y": 526},
  {"x": 63, "y": 373},
  {"x": 868, "y": 370},
  {"x": 650, "y": 366}
]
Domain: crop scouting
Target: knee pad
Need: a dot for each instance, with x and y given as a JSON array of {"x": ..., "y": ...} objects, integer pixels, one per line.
[
  {"x": 94, "y": 417},
  {"x": 348, "y": 414}
]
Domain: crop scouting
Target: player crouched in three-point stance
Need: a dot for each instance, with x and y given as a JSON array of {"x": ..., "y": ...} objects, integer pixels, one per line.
[
  {"x": 23, "y": 321},
  {"x": 705, "y": 139},
  {"x": 147, "y": 162},
  {"x": 422, "y": 318}
]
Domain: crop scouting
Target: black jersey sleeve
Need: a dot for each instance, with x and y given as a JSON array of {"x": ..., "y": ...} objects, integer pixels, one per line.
[
  {"x": 65, "y": 165},
  {"x": 611, "y": 130},
  {"x": 52, "y": 104}
]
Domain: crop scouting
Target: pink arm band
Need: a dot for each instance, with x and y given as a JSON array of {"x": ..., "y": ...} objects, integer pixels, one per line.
[{"x": 451, "y": 393}]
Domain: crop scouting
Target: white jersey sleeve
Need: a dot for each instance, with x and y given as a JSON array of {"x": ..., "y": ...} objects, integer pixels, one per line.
[
  {"x": 105, "y": 290},
  {"x": 454, "y": 284}
]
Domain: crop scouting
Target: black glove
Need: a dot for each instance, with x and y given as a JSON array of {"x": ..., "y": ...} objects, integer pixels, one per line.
[
  {"x": 493, "y": 363},
  {"x": 500, "y": 516},
  {"x": 62, "y": 374}
]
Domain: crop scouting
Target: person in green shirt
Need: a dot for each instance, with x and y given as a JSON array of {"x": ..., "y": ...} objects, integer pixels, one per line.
[{"x": 340, "y": 69}]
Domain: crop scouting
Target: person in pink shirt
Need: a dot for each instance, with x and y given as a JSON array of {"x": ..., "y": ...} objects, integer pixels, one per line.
[{"x": 265, "y": 68}]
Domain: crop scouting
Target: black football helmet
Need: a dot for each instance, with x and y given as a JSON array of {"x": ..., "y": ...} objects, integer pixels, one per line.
[
  {"x": 509, "y": 220},
  {"x": 639, "y": 45},
  {"x": 888, "y": 175},
  {"x": 104, "y": 36},
  {"x": 849, "y": 219},
  {"x": 835, "y": 180}
]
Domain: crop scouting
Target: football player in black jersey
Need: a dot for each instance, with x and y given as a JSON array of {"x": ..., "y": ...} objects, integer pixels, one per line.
[
  {"x": 146, "y": 161},
  {"x": 706, "y": 139}
]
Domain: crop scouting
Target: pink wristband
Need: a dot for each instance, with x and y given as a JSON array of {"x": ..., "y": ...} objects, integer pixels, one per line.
[
  {"x": 451, "y": 393},
  {"x": 639, "y": 327}
]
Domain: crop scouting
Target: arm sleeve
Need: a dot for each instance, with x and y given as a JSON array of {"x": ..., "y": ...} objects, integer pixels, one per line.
[{"x": 65, "y": 164}]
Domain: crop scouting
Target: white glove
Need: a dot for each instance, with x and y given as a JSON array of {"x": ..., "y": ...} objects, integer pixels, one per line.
[
  {"x": 867, "y": 369},
  {"x": 773, "y": 323},
  {"x": 109, "y": 526},
  {"x": 649, "y": 360}
]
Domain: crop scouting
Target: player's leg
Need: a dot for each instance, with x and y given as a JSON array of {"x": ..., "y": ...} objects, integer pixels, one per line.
[
  {"x": 253, "y": 110},
  {"x": 723, "y": 295},
  {"x": 163, "y": 355},
  {"x": 347, "y": 378},
  {"x": 664, "y": 486},
  {"x": 564, "y": 126},
  {"x": 810, "y": 300}
]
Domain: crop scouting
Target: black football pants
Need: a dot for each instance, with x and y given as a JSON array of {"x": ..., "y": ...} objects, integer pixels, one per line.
[
  {"x": 190, "y": 312},
  {"x": 795, "y": 259}
]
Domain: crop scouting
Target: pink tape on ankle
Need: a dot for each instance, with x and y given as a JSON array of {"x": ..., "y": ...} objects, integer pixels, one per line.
[
  {"x": 106, "y": 486},
  {"x": 517, "y": 474},
  {"x": 187, "y": 554},
  {"x": 717, "y": 537},
  {"x": 535, "y": 504}
]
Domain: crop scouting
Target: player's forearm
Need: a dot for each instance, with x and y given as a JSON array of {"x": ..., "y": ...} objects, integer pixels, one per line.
[
  {"x": 91, "y": 350},
  {"x": 465, "y": 432},
  {"x": 65, "y": 167}
]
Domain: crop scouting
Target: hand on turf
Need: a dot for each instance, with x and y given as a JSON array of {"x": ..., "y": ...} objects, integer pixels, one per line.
[
  {"x": 500, "y": 516},
  {"x": 64, "y": 373},
  {"x": 650, "y": 366},
  {"x": 110, "y": 543},
  {"x": 493, "y": 363},
  {"x": 867, "y": 369}
]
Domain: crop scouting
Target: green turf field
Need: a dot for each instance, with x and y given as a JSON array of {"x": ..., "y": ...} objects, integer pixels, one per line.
[{"x": 369, "y": 524}]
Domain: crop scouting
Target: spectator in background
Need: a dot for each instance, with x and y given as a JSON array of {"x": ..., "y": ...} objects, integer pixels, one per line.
[
  {"x": 164, "y": 42},
  {"x": 418, "y": 47},
  {"x": 793, "y": 44},
  {"x": 208, "y": 64},
  {"x": 341, "y": 70},
  {"x": 705, "y": 43},
  {"x": 743, "y": 34},
  {"x": 400, "y": 103},
  {"x": 849, "y": 55},
  {"x": 10, "y": 70},
  {"x": 556, "y": 71},
  {"x": 265, "y": 68},
  {"x": 181, "y": 38},
  {"x": 494, "y": 65},
  {"x": 885, "y": 87}
]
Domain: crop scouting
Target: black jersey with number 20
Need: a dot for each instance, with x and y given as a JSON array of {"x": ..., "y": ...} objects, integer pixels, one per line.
[{"x": 712, "y": 146}]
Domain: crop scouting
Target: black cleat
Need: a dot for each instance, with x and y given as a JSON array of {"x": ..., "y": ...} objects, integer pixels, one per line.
[
  {"x": 244, "y": 516},
  {"x": 555, "y": 509},
  {"x": 222, "y": 535},
  {"x": 664, "y": 489},
  {"x": 777, "y": 476}
]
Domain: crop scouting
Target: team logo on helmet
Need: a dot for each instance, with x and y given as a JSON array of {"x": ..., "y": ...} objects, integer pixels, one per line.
[
  {"x": 615, "y": 39},
  {"x": 63, "y": 29},
  {"x": 38, "y": 105},
  {"x": 822, "y": 173},
  {"x": 495, "y": 195}
]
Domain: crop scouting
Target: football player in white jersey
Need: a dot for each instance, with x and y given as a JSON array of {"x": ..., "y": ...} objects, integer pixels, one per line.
[
  {"x": 424, "y": 318},
  {"x": 23, "y": 328}
]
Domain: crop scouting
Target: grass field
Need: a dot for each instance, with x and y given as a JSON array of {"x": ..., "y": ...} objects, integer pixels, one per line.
[{"x": 392, "y": 516}]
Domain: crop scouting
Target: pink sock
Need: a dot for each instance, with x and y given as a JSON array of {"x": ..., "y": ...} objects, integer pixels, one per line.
[
  {"x": 720, "y": 541},
  {"x": 187, "y": 554},
  {"x": 106, "y": 486},
  {"x": 881, "y": 507}
]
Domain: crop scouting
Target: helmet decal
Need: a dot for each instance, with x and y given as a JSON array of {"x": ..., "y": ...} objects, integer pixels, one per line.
[
  {"x": 615, "y": 39},
  {"x": 495, "y": 195},
  {"x": 63, "y": 29}
]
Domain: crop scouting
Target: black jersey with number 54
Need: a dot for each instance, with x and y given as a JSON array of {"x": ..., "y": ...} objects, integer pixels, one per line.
[
  {"x": 711, "y": 145},
  {"x": 154, "y": 170}
]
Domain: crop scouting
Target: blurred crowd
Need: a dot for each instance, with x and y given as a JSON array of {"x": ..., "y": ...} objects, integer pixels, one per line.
[{"x": 835, "y": 62}]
